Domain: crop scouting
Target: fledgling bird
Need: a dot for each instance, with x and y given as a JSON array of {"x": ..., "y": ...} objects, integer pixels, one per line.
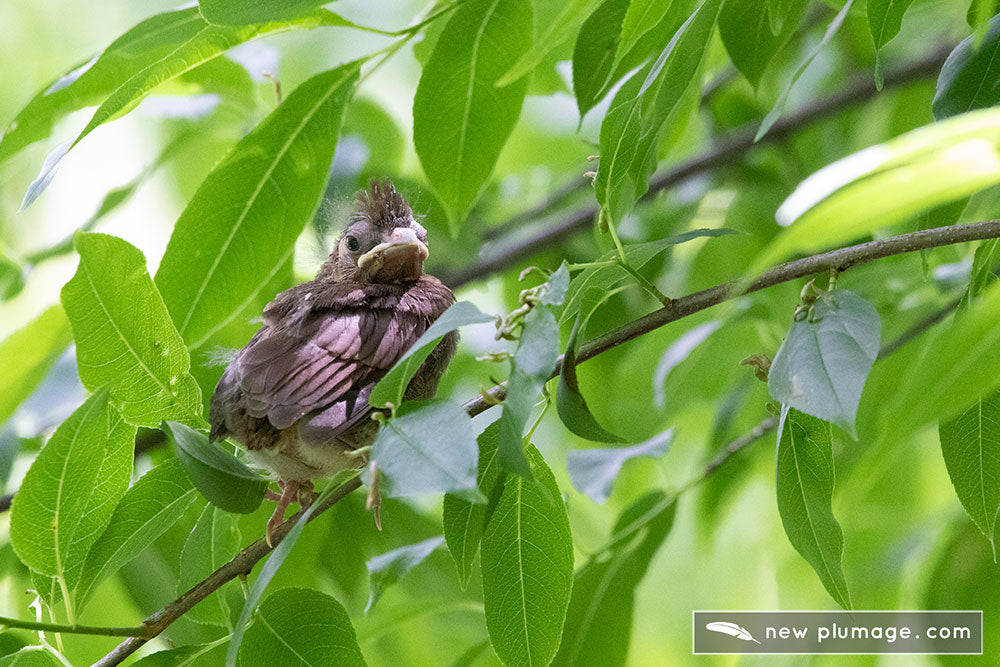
[{"x": 296, "y": 397}]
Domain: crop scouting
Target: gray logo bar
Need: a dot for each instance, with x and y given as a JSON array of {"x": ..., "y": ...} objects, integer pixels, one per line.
[{"x": 838, "y": 632}]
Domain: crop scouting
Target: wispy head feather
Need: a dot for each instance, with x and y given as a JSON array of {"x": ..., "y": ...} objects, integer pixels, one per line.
[{"x": 382, "y": 205}]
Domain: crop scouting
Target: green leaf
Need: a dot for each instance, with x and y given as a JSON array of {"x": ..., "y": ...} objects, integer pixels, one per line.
[
  {"x": 207, "y": 43},
  {"x": 243, "y": 12},
  {"x": 965, "y": 82},
  {"x": 640, "y": 110},
  {"x": 194, "y": 655},
  {"x": 599, "y": 619},
  {"x": 570, "y": 404},
  {"x": 961, "y": 363},
  {"x": 531, "y": 367},
  {"x": 461, "y": 120},
  {"x": 267, "y": 572},
  {"x": 222, "y": 478},
  {"x": 593, "y": 471},
  {"x": 556, "y": 33},
  {"x": 12, "y": 277},
  {"x": 594, "y": 53},
  {"x": 386, "y": 569},
  {"x": 31, "y": 656},
  {"x": 745, "y": 27},
  {"x": 970, "y": 444},
  {"x": 822, "y": 365},
  {"x": 27, "y": 355},
  {"x": 463, "y": 520},
  {"x": 781, "y": 12},
  {"x": 428, "y": 447},
  {"x": 603, "y": 279},
  {"x": 779, "y": 106},
  {"x": 527, "y": 567},
  {"x": 556, "y": 287},
  {"x": 298, "y": 626},
  {"x": 69, "y": 493},
  {"x": 886, "y": 184},
  {"x": 154, "y": 503},
  {"x": 216, "y": 276},
  {"x": 214, "y": 541},
  {"x": 642, "y": 17},
  {"x": 805, "y": 494},
  {"x": 124, "y": 337},
  {"x": 392, "y": 386},
  {"x": 88, "y": 83},
  {"x": 884, "y": 19}
]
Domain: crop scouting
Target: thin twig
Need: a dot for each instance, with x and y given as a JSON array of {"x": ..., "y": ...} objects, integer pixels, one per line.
[
  {"x": 728, "y": 151},
  {"x": 138, "y": 631},
  {"x": 842, "y": 259}
]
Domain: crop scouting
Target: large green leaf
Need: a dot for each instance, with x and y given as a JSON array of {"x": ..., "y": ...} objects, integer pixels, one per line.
[
  {"x": 886, "y": 184},
  {"x": 27, "y": 356},
  {"x": 780, "y": 12},
  {"x": 154, "y": 503},
  {"x": 594, "y": 53},
  {"x": 213, "y": 542},
  {"x": 207, "y": 43},
  {"x": 961, "y": 364},
  {"x": 298, "y": 626},
  {"x": 779, "y": 106},
  {"x": 124, "y": 337},
  {"x": 69, "y": 493},
  {"x": 570, "y": 404},
  {"x": 216, "y": 275},
  {"x": 641, "y": 109},
  {"x": 531, "y": 367},
  {"x": 805, "y": 493},
  {"x": 90, "y": 82},
  {"x": 386, "y": 569},
  {"x": 226, "y": 481},
  {"x": 599, "y": 619},
  {"x": 822, "y": 365},
  {"x": 463, "y": 520},
  {"x": 884, "y": 19},
  {"x": 392, "y": 386},
  {"x": 461, "y": 119},
  {"x": 243, "y": 12},
  {"x": 428, "y": 447},
  {"x": 31, "y": 656},
  {"x": 968, "y": 77},
  {"x": 555, "y": 34},
  {"x": 970, "y": 444},
  {"x": 745, "y": 27},
  {"x": 642, "y": 17},
  {"x": 527, "y": 567}
]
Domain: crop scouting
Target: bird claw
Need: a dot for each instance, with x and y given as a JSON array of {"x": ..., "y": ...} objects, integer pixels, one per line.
[
  {"x": 373, "y": 502},
  {"x": 289, "y": 491}
]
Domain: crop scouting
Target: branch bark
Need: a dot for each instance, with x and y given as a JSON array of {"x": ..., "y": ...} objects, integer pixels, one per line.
[
  {"x": 841, "y": 259},
  {"x": 728, "y": 151}
]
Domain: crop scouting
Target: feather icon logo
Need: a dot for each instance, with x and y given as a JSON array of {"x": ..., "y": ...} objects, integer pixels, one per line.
[{"x": 731, "y": 629}]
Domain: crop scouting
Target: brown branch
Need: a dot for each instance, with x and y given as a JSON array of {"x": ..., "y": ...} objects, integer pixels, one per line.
[
  {"x": 841, "y": 259},
  {"x": 728, "y": 151}
]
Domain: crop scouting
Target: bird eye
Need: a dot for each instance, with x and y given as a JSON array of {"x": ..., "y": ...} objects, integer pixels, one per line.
[{"x": 352, "y": 244}]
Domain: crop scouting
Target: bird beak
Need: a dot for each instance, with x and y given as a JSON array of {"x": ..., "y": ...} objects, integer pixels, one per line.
[{"x": 400, "y": 259}]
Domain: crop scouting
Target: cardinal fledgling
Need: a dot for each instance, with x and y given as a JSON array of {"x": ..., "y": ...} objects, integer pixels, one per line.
[{"x": 297, "y": 395}]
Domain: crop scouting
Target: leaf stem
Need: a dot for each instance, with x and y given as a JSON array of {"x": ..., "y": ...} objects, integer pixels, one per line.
[
  {"x": 73, "y": 628},
  {"x": 645, "y": 284}
]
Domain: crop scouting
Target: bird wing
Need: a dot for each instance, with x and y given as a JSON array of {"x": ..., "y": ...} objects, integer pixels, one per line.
[{"x": 322, "y": 361}]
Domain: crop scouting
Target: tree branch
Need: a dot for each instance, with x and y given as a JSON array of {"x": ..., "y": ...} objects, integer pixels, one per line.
[
  {"x": 841, "y": 259},
  {"x": 729, "y": 150}
]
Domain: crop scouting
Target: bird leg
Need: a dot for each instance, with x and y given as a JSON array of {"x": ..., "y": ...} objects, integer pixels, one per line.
[
  {"x": 307, "y": 494},
  {"x": 289, "y": 492}
]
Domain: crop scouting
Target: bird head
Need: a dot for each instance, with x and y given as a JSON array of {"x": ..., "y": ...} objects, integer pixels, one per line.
[{"x": 383, "y": 242}]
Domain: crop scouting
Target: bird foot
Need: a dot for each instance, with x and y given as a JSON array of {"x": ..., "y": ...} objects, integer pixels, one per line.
[{"x": 289, "y": 492}]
